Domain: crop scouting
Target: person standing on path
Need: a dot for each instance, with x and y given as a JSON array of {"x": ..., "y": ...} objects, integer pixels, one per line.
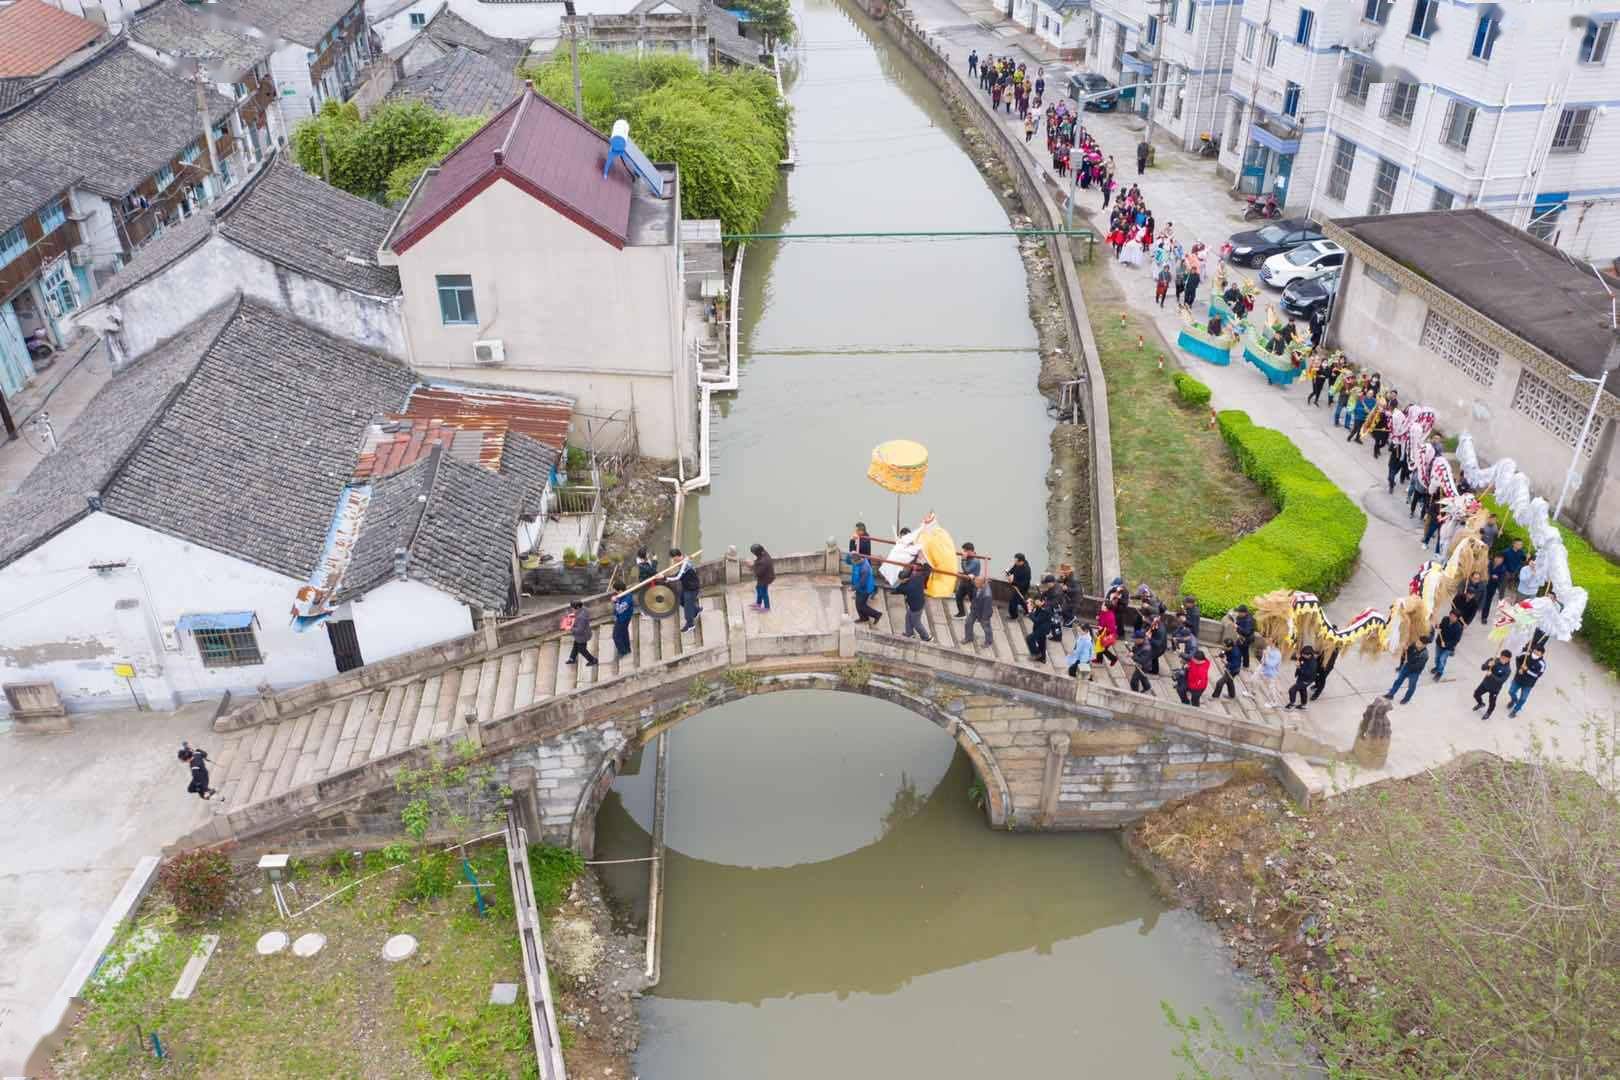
[
  {"x": 863, "y": 583},
  {"x": 1532, "y": 666},
  {"x": 1084, "y": 652},
  {"x": 1231, "y": 668},
  {"x": 580, "y": 632},
  {"x": 624, "y": 610},
  {"x": 764, "y": 574},
  {"x": 197, "y": 760},
  {"x": 646, "y": 565},
  {"x": 1467, "y": 602},
  {"x": 968, "y": 584},
  {"x": 1141, "y": 157},
  {"x": 1141, "y": 661},
  {"x": 1318, "y": 380},
  {"x": 1325, "y": 662},
  {"x": 1107, "y": 634},
  {"x": 1018, "y": 574},
  {"x": 1161, "y": 285},
  {"x": 1447, "y": 637},
  {"x": 688, "y": 587},
  {"x": 1270, "y": 668},
  {"x": 913, "y": 582},
  {"x": 1494, "y": 581},
  {"x": 1042, "y": 615},
  {"x": 980, "y": 609},
  {"x": 1305, "y": 668},
  {"x": 1413, "y": 661},
  {"x": 1194, "y": 680},
  {"x": 1496, "y": 669},
  {"x": 1244, "y": 625},
  {"x": 973, "y": 64},
  {"x": 1513, "y": 560},
  {"x": 1107, "y": 187}
]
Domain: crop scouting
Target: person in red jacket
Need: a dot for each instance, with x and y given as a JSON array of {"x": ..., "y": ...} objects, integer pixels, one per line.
[{"x": 1194, "y": 679}]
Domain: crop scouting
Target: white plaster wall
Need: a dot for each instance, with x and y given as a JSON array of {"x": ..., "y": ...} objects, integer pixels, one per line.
[
  {"x": 164, "y": 304},
  {"x": 98, "y": 230},
  {"x": 74, "y": 624},
  {"x": 395, "y": 30},
  {"x": 405, "y": 615},
  {"x": 577, "y": 314},
  {"x": 289, "y": 66}
]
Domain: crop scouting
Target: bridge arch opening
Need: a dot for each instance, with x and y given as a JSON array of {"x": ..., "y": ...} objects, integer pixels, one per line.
[{"x": 943, "y": 714}]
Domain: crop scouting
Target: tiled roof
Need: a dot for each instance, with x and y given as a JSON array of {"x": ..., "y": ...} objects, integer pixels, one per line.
[
  {"x": 545, "y": 417},
  {"x": 35, "y": 37},
  {"x": 252, "y": 455},
  {"x": 112, "y": 121},
  {"x": 530, "y": 463},
  {"x": 465, "y": 543},
  {"x": 726, "y": 32},
  {"x": 396, "y": 507},
  {"x": 310, "y": 227},
  {"x": 462, "y": 82},
  {"x": 14, "y": 91},
  {"x": 157, "y": 255},
  {"x": 203, "y": 32},
  {"x": 450, "y": 31},
  {"x": 110, "y": 427},
  {"x": 303, "y": 22},
  {"x": 539, "y": 147}
]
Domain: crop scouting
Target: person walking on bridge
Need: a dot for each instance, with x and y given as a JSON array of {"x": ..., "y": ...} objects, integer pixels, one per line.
[
  {"x": 913, "y": 583},
  {"x": 1019, "y": 574},
  {"x": 973, "y": 573},
  {"x": 864, "y": 584},
  {"x": 624, "y": 610},
  {"x": 580, "y": 631},
  {"x": 764, "y": 574},
  {"x": 980, "y": 610},
  {"x": 688, "y": 586}
]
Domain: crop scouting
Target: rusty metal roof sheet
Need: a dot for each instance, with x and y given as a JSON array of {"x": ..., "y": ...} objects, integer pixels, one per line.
[{"x": 543, "y": 417}]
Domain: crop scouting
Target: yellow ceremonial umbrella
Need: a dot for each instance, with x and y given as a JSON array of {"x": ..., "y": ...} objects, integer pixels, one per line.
[{"x": 899, "y": 465}]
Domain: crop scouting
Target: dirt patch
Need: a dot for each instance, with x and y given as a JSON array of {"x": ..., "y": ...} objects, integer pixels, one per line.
[
  {"x": 1068, "y": 479},
  {"x": 636, "y": 506},
  {"x": 599, "y": 971}
]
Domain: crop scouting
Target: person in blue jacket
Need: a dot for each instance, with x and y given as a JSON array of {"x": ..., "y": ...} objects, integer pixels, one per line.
[{"x": 624, "y": 610}]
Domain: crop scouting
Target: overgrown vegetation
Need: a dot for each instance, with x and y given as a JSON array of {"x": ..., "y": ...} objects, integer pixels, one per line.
[
  {"x": 726, "y": 130},
  {"x": 1178, "y": 497},
  {"x": 1592, "y": 571},
  {"x": 774, "y": 18},
  {"x": 553, "y": 870},
  {"x": 379, "y": 157},
  {"x": 197, "y": 883},
  {"x": 1464, "y": 922},
  {"x": 1310, "y": 545}
]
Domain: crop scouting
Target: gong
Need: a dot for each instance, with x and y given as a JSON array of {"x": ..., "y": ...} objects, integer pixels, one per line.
[{"x": 659, "y": 600}]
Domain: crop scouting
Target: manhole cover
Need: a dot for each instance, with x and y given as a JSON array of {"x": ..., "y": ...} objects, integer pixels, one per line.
[
  {"x": 309, "y": 944},
  {"x": 272, "y": 943},
  {"x": 398, "y": 948}
]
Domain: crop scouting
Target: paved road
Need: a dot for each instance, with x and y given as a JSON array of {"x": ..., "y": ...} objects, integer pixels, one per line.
[{"x": 1184, "y": 189}]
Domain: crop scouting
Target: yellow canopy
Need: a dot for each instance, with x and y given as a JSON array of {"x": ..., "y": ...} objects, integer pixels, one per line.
[
  {"x": 940, "y": 551},
  {"x": 899, "y": 465}
]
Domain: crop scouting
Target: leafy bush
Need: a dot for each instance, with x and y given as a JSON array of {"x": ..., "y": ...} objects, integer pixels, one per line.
[
  {"x": 1191, "y": 390},
  {"x": 381, "y": 156},
  {"x": 1310, "y": 545},
  {"x": 553, "y": 870},
  {"x": 1592, "y": 571},
  {"x": 197, "y": 883},
  {"x": 726, "y": 130},
  {"x": 431, "y": 877}
]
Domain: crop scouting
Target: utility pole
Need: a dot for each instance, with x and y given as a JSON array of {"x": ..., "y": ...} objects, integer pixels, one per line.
[
  {"x": 573, "y": 54},
  {"x": 326, "y": 165},
  {"x": 201, "y": 80},
  {"x": 1158, "y": 52}
]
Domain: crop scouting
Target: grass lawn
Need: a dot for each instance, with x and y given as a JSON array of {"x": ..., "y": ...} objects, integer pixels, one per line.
[
  {"x": 342, "y": 1013},
  {"x": 1179, "y": 493}
]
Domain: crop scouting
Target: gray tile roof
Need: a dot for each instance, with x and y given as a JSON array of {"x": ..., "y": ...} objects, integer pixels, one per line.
[
  {"x": 114, "y": 120},
  {"x": 448, "y": 30},
  {"x": 302, "y": 21},
  {"x": 202, "y": 32},
  {"x": 465, "y": 543},
  {"x": 310, "y": 227},
  {"x": 13, "y": 91},
  {"x": 529, "y": 462},
  {"x": 463, "y": 82},
  {"x": 251, "y": 456},
  {"x": 729, "y": 42},
  {"x": 389, "y": 524},
  {"x": 157, "y": 255},
  {"x": 52, "y": 497}
]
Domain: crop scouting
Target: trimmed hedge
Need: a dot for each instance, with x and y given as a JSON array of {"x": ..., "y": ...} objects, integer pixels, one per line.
[
  {"x": 1310, "y": 545},
  {"x": 1191, "y": 390},
  {"x": 1592, "y": 571}
]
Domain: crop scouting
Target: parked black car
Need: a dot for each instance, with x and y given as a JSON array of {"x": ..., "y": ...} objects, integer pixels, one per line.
[
  {"x": 1255, "y": 246},
  {"x": 1089, "y": 82},
  {"x": 1301, "y": 298}
]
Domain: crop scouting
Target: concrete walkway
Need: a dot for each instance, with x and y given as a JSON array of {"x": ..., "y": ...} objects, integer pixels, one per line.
[{"x": 1184, "y": 189}]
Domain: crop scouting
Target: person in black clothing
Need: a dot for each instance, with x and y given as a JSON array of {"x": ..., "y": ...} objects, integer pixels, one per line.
[
  {"x": 1396, "y": 462},
  {"x": 1318, "y": 381},
  {"x": 198, "y": 760},
  {"x": 1494, "y": 581},
  {"x": 1231, "y": 666},
  {"x": 1041, "y": 618},
  {"x": 1244, "y": 624},
  {"x": 1192, "y": 614},
  {"x": 1447, "y": 637},
  {"x": 860, "y": 544},
  {"x": 1413, "y": 661},
  {"x": 1019, "y": 574},
  {"x": 688, "y": 586},
  {"x": 1467, "y": 601},
  {"x": 1305, "y": 668},
  {"x": 1496, "y": 669},
  {"x": 913, "y": 585},
  {"x": 1142, "y": 659},
  {"x": 1158, "y": 642},
  {"x": 1324, "y": 668}
]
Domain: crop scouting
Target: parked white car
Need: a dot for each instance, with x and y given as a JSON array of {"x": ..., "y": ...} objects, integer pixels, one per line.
[{"x": 1302, "y": 263}]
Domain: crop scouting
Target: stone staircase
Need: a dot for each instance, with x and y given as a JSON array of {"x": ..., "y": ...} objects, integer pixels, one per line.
[{"x": 270, "y": 759}]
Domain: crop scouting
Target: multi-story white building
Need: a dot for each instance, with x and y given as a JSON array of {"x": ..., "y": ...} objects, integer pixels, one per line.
[
  {"x": 1391, "y": 106},
  {"x": 1190, "y": 41}
]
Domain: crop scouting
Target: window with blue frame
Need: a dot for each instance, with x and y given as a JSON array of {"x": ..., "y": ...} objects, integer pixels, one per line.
[
  {"x": 52, "y": 217},
  {"x": 1291, "y": 99},
  {"x": 456, "y": 305},
  {"x": 1543, "y": 224},
  {"x": 190, "y": 154},
  {"x": 165, "y": 177},
  {"x": 1152, "y": 29},
  {"x": 1192, "y": 14},
  {"x": 1424, "y": 13},
  {"x": 1595, "y": 42},
  {"x": 1485, "y": 33},
  {"x": 13, "y": 242},
  {"x": 1307, "y": 23}
]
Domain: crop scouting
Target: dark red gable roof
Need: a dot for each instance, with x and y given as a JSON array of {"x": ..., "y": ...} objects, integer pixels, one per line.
[{"x": 540, "y": 148}]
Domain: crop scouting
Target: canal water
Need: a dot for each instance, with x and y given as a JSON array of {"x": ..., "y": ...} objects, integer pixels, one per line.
[{"x": 835, "y": 904}]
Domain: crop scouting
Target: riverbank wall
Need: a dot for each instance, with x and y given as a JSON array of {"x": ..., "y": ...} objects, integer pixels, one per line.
[{"x": 1096, "y": 488}]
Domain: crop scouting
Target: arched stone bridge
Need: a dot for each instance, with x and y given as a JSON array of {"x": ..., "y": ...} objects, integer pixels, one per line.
[{"x": 312, "y": 767}]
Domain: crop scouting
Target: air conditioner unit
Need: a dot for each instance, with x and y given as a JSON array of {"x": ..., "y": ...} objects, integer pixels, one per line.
[
  {"x": 489, "y": 351},
  {"x": 79, "y": 255}
]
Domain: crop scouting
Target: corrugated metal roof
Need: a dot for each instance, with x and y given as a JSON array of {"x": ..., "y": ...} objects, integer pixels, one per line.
[
  {"x": 543, "y": 417},
  {"x": 397, "y": 442}
]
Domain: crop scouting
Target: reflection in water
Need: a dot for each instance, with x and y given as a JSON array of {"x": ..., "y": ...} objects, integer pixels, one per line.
[{"x": 935, "y": 946}]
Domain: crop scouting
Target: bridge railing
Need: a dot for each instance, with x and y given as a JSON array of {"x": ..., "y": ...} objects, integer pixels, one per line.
[{"x": 537, "y": 980}]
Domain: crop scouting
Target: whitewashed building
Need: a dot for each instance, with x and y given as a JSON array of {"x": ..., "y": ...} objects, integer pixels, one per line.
[
  {"x": 1392, "y": 106},
  {"x": 1063, "y": 24},
  {"x": 1189, "y": 43},
  {"x": 258, "y": 502}
]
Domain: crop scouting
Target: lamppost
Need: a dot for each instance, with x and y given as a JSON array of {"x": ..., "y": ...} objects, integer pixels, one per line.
[{"x": 1572, "y": 477}]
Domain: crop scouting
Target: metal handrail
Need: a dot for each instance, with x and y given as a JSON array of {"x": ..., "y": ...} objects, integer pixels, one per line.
[{"x": 542, "y": 1012}]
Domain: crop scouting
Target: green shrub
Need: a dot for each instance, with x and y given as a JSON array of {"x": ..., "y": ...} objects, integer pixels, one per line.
[
  {"x": 553, "y": 870},
  {"x": 197, "y": 883},
  {"x": 1310, "y": 545},
  {"x": 1592, "y": 571},
  {"x": 1191, "y": 390},
  {"x": 431, "y": 877}
]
